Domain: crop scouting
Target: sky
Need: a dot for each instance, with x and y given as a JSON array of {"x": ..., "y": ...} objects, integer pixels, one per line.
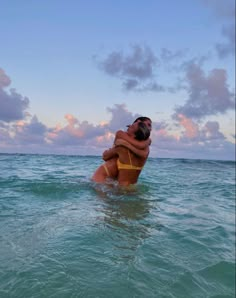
[{"x": 73, "y": 72}]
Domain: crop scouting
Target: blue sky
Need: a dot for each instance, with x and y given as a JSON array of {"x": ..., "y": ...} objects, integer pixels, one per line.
[{"x": 74, "y": 72}]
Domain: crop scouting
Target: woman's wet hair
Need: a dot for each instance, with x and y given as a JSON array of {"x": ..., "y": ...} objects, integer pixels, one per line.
[
  {"x": 142, "y": 119},
  {"x": 143, "y": 132}
]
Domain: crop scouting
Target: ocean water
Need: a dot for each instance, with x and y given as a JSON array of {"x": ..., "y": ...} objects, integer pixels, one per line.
[{"x": 171, "y": 235}]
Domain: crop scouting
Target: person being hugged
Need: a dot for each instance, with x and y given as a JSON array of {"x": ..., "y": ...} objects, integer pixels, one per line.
[{"x": 125, "y": 160}]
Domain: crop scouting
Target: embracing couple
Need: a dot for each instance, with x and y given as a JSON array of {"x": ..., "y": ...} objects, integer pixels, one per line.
[{"x": 125, "y": 160}]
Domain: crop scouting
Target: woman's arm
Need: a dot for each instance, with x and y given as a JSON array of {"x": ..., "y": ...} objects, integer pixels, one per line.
[
  {"x": 139, "y": 152},
  {"x": 110, "y": 153},
  {"x": 138, "y": 144}
]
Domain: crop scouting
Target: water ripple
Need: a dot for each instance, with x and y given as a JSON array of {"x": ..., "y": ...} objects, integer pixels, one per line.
[{"x": 172, "y": 235}]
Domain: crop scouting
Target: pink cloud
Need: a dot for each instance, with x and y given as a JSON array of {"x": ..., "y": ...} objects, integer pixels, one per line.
[
  {"x": 191, "y": 128},
  {"x": 71, "y": 119},
  {"x": 108, "y": 137},
  {"x": 82, "y": 137},
  {"x": 75, "y": 132}
]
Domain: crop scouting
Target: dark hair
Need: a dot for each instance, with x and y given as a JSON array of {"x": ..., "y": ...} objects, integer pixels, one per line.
[
  {"x": 142, "y": 133},
  {"x": 143, "y": 118}
]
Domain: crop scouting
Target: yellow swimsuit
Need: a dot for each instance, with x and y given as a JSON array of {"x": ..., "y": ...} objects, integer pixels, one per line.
[
  {"x": 124, "y": 166},
  {"x": 106, "y": 169}
]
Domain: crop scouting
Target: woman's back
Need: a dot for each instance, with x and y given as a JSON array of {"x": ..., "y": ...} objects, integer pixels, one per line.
[{"x": 129, "y": 166}]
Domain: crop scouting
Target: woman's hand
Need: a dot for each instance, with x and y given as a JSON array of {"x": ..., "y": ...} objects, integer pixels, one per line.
[{"x": 139, "y": 152}]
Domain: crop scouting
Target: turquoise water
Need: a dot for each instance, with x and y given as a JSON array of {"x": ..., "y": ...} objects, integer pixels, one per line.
[{"x": 172, "y": 235}]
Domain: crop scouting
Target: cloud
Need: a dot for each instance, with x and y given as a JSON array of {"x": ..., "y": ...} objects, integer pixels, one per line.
[
  {"x": 168, "y": 55},
  {"x": 211, "y": 131},
  {"x": 208, "y": 94},
  {"x": 78, "y": 137},
  {"x": 192, "y": 131},
  {"x": 74, "y": 133},
  {"x": 13, "y": 106},
  {"x": 4, "y": 135},
  {"x": 192, "y": 141},
  {"x": 139, "y": 64},
  {"x": 23, "y": 137},
  {"x": 84, "y": 133},
  {"x": 136, "y": 70},
  {"x": 224, "y": 11},
  {"x": 28, "y": 135},
  {"x": 4, "y": 79},
  {"x": 120, "y": 117},
  {"x": 32, "y": 132},
  {"x": 228, "y": 47},
  {"x": 191, "y": 128}
]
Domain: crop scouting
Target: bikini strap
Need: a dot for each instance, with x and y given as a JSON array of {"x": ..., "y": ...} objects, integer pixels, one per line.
[{"x": 130, "y": 158}]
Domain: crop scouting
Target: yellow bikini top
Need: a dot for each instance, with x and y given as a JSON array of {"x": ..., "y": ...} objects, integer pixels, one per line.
[{"x": 124, "y": 166}]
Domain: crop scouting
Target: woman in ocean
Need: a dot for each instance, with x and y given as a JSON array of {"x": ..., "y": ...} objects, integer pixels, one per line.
[{"x": 125, "y": 160}]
